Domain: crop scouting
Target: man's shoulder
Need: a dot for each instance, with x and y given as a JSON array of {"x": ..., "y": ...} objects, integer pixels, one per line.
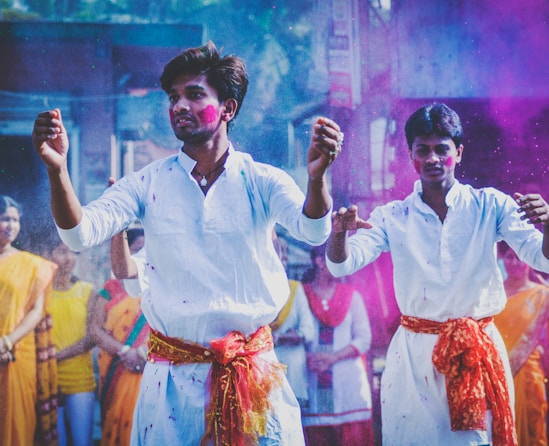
[
  {"x": 257, "y": 170},
  {"x": 398, "y": 203},
  {"x": 168, "y": 160},
  {"x": 153, "y": 168},
  {"x": 486, "y": 193},
  {"x": 245, "y": 158}
]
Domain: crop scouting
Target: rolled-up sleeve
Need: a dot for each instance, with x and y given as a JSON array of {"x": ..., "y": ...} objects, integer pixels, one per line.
[
  {"x": 364, "y": 247},
  {"x": 315, "y": 231},
  {"x": 340, "y": 269},
  {"x": 75, "y": 237},
  {"x": 285, "y": 203}
]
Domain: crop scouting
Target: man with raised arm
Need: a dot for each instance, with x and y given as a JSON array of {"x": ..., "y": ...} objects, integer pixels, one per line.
[
  {"x": 447, "y": 378},
  {"x": 215, "y": 281}
]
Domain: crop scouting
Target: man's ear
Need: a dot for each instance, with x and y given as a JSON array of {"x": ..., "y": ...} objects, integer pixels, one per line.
[
  {"x": 228, "y": 111},
  {"x": 459, "y": 153}
]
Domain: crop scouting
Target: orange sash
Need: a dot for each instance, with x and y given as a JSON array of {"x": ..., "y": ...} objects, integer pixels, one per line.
[
  {"x": 475, "y": 376},
  {"x": 240, "y": 382}
]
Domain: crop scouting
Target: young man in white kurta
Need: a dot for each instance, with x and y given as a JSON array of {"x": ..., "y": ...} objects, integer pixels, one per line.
[
  {"x": 211, "y": 264},
  {"x": 445, "y": 267},
  {"x": 203, "y": 289}
]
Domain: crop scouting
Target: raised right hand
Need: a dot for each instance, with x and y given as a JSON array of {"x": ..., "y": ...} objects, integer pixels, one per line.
[
  {"x": 50, "y": 139},
  {"x": 347, "y": 219}
]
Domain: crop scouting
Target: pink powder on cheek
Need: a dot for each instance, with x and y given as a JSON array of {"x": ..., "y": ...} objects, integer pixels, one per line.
[
  {"x": 209, "y": 114},
  {"x": 417, "y": 166},
  {"x": 172, "y": 114},
  {"x": 449, "y": 162}
]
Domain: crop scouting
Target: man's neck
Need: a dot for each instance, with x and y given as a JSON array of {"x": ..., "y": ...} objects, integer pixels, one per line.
[
  {"x": 207, "y": 154},
  {"x": 434, "y": 195}
]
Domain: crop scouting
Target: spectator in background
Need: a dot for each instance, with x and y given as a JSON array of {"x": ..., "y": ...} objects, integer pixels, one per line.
[
  {"x": 28, "y": 371},
  {"x": 522, "y": 324},
  {"x": 71, "y": 307},
  {"x": 121, "y": 331},
  {"x": 293, "y": 331},
  {"x": 340, "y": 400}
]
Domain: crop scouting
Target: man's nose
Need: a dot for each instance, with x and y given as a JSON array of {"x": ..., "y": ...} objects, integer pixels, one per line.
[
  {"x": 181, "y": 105},
  {"x": 433, "y": 157}
]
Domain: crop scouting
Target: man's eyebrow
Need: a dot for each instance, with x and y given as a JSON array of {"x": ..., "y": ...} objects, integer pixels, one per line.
[
  {"x": 195, "y": 87},
  {"x": 189, "y": 88},
  {"x": 422, "y": 144}
]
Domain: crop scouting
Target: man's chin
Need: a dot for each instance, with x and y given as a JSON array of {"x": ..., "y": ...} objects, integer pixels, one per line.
[{"x": 192, "y": 138}]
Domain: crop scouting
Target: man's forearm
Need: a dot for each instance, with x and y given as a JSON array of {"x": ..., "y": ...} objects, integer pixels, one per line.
[
  {"x": 318, "y": 201},
  {"x": 65, "y": 206},
  {"x": 337, "y": 249},
  {"x": 123, "y": 266}
]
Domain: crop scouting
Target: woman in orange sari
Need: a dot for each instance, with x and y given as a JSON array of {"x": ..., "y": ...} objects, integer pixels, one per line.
[
  {"x": 522, "y": 324},
  {"x": 28, "y": 380},
  {"x": 119, "y": 328}
]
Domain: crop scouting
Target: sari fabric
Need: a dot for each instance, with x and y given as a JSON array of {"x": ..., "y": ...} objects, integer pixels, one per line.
[
  {"x": 287, "y": 308},
  {"x": 119, "y": 387},
  {"x": 522, "y": 324},
  {"x": 28, "y": 385}
]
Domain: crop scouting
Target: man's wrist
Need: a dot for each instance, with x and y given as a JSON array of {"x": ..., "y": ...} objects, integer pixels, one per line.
[{"x": 315, "y": 179}]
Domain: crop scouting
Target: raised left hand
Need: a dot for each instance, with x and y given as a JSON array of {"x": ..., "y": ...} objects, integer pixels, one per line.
[{"x": 326, "y": 145}]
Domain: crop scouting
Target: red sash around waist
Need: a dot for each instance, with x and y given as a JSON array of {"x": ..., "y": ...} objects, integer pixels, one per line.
[
  {"x": 475, "y": 376},
  {"x": 239, "y": 382}
]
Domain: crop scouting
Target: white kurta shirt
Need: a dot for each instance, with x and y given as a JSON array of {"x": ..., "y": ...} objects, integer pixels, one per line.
[
  {"x": 212, "y": 268},
  {"x": 441, "y": 271}
]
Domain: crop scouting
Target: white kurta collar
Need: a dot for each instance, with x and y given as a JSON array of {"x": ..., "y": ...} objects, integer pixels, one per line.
[{"x": 188, "y": 163}]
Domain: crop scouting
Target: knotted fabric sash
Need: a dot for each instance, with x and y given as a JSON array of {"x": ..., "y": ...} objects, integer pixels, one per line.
[
  {"x": 475, "y": 376},
  {"x": 239, "y": 382}
]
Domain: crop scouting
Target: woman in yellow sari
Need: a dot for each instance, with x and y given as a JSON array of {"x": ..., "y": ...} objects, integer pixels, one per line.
[
  {"x": 522, "y": 324},
  {"x": 28, "y": 381},
  {"x": 119, "y": 328}
]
